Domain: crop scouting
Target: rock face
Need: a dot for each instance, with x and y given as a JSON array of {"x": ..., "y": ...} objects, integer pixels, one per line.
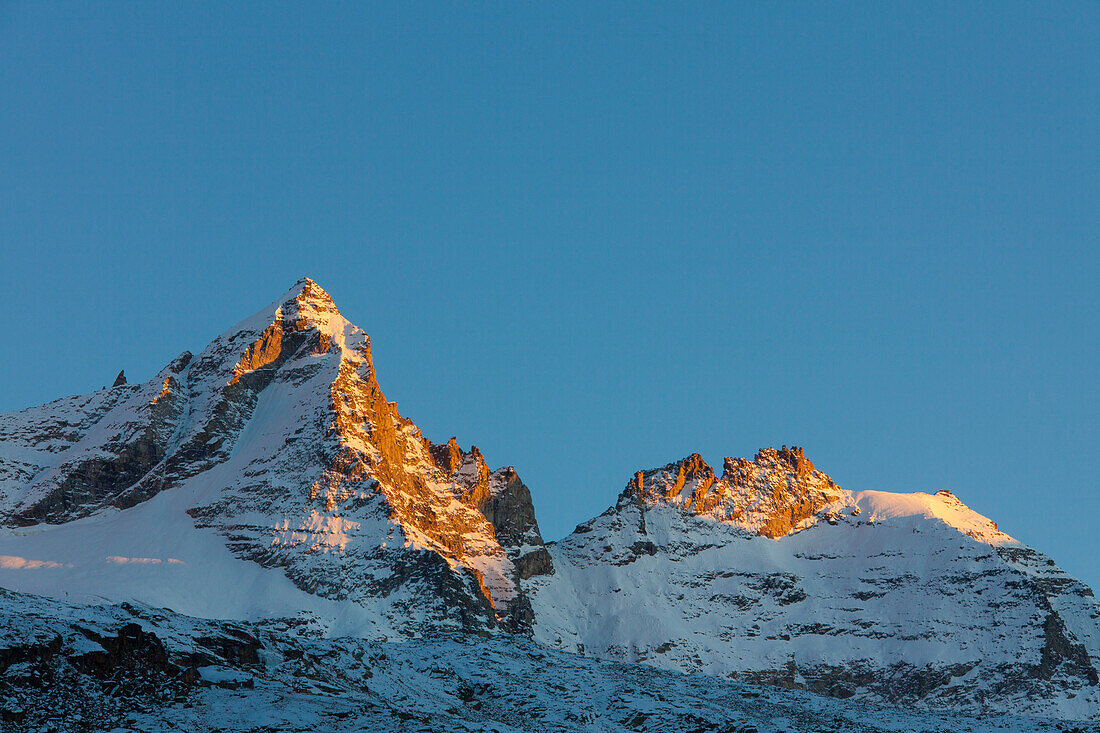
[
  {"x": 283, "y": 439},
  {"x": 774, "y": 493},
  {"x": 774, "y": 574}
]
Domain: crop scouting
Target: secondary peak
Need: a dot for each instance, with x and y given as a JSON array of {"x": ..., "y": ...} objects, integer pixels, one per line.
[{"x": 770, "y": 495}]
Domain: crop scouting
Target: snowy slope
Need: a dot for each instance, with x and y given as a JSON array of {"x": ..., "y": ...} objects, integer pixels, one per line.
[
  {"x": 899, "y": 598},
  {"x": 66, "y": 667}
]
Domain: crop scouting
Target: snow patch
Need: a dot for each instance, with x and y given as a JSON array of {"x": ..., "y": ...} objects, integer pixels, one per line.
[
  {"x": 14, "y": 562},
  {"x": 120, "y": 560}
]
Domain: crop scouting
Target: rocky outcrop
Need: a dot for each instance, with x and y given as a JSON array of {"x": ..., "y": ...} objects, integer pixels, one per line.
[
  {"x": 113, "y": 463},
  {"x": 447, "y": 457},
  {"x": 89, "y": 668},
  {"x": 771, "y": 495},
  {"x": 1060, "y": 651}
]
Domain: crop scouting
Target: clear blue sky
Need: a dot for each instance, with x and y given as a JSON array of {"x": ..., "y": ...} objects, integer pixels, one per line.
[{"x": 592, "y": 238}]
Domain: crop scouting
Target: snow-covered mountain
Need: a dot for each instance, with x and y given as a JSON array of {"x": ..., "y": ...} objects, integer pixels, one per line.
[
  {"x": 266, "y": 490},
  {"x": 772, "y": 573},
  {"x": 272, "y": 449}
]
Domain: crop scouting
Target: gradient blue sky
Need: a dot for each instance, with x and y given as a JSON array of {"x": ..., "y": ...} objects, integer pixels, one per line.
[{"x": 592, "y": 238}]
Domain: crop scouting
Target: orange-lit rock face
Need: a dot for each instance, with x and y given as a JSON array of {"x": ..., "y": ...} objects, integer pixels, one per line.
[
  {"x": 261, "y": 352},
  {"x": 447, "y": 457},
  {"x": 309, "y": 317},
  {"x": 770, "y": 495},
  {"x": 444, "y": 499},
  {"x": 165, "y": 390}
]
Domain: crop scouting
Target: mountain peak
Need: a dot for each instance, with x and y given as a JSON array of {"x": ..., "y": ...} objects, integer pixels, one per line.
[
  {"x": 882, "y": 592},
  {"x": 278, "y": 436},
  {"x": 771, "y": 495},
  {"x": 307, "y": 290},
  {"x": 306, "y": 299}
]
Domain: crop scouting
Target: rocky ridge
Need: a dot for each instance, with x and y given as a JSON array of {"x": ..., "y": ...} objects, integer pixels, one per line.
[{"x": 776, "y": 492}]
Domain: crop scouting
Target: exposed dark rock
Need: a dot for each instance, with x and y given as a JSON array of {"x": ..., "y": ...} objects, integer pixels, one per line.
[
  {"x": 536, "y": 562},
  {"x": 95, "y": 482},
  {"x": 132, "y": 650},
  {"x": 521, "y": 617},
  {"x": 236, "y": 647},
  {"x": 641, "y": 548},
  {"x": 31, "y": 652},
  {"x": 457, "y": 596},
  {"x": 511, "y": 511},
  {"x": 1058, "y": 649}
]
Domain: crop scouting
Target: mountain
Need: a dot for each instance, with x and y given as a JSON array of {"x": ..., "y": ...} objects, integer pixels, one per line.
[
  {"x": 274, "y": 448},
  {"x": 259, "y": 520},
  {"x": 772, "y": 573}
]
